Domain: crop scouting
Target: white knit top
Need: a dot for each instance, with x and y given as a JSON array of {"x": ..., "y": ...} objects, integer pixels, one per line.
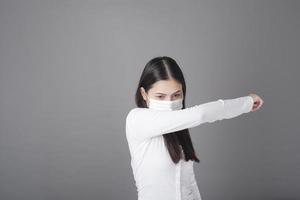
[{"x": 156, "y": 176}]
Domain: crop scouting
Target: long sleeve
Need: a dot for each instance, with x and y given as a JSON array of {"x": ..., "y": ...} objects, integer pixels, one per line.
[{"x": 143, "y": 123}]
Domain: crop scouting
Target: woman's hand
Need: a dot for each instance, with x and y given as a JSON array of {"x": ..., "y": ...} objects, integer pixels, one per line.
[{"x": 258, "y": 102}]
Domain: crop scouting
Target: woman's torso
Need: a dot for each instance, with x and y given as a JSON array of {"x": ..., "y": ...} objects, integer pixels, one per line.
[{"x": 157, "y": 176}]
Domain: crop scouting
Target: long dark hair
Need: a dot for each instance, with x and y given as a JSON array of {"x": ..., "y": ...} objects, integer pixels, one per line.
[{"x": 164, "y": 68}]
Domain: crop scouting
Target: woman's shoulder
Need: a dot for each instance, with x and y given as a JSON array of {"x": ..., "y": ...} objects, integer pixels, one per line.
[
  {"x": 133, "y": 112},
  {"x": 132, "y": 122}
]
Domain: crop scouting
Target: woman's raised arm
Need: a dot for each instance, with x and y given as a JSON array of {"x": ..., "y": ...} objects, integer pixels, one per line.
[{"x": 144, "y": 123}]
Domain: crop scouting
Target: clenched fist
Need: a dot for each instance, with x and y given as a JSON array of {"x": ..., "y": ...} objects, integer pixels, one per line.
[{"x": 258, "y": 102}]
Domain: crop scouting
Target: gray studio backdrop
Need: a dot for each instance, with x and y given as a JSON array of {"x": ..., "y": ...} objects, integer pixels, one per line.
[{"x": 68, "y": 74}]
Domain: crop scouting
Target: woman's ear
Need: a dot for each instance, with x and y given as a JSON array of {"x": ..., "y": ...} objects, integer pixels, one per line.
[{"x": 143, "y": 93}]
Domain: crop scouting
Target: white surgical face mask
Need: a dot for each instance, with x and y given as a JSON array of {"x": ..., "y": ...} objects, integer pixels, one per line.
[{"x": 165, "y": 105}]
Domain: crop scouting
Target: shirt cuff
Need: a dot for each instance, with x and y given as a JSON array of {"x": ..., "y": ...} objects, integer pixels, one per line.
[{"x": 250, "y": 102}]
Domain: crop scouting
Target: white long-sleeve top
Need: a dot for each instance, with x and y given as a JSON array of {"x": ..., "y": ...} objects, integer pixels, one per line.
[{"x": 156, "y": 176}]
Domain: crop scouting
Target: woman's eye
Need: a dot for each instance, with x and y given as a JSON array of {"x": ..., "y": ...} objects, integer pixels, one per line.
[
  {"x": 177, "y": 95},
  {"x": 159, "y": 96}
]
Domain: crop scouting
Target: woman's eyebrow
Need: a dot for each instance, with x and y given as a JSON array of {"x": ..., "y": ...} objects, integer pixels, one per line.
[
  {"x": 176, "y": 91},
  {"x": 164, "y": 93}
]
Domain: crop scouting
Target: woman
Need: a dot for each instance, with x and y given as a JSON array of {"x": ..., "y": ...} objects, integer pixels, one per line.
[{"x": 157, "y": 131}]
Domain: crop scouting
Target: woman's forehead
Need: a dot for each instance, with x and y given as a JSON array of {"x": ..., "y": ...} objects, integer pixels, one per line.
[{"x": 166, "y": 87}]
